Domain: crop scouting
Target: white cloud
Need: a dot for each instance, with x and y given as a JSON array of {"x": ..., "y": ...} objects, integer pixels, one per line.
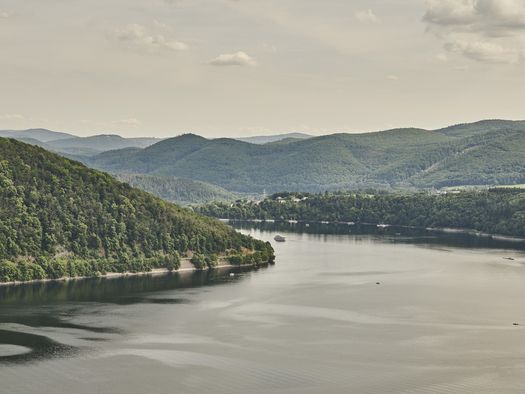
[
  {"x": 4, "y": 15},
  {"x": 484, "y": 51},
  {"x": 486, "y": 16},
  {"x": 367, "y": 16},
  {"x": 233, "y": 59},
  {"x": 393, "y": 77},
  {"x": 482, "y": 30},
  {"x": 11, "y": 117},
  {"x": 449, "y": 12},
  {"x": 131, "y": 122},
  {"x": 138, "y": 35}
]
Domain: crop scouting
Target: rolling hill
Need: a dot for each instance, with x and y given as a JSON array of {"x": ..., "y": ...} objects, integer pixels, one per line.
[
  {"x": 59, "y": 218},
  {"x": 178, "y": 190},
  {"x": 485, "y": 152}
]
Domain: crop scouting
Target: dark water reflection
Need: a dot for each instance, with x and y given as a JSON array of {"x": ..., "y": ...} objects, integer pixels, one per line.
[
  {"x": 121, "y": 290},
  {"x": 55, "y": 304},
  {"x": 391, "y": 234},
  {"x": 345, "y": 309}
]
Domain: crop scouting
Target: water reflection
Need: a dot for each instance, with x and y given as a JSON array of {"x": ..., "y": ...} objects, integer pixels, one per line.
[
  {"x": 121, "y": 290},
  {"x": 356, "y": 311},
  {"x": 33, "y": 347},
  {"x": 54, "y": 305},
  {"x": 390, "y": 234}
]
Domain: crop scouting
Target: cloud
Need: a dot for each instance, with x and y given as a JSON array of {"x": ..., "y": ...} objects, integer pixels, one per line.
[
  {"x": 11, "y": 117},
  {"x": 4, "y": 15},
  {"x": 393, "y": 77},
  {"x": 367, "y": 16},
  {"x": 139, "y": 36},
  {"x": 492, "y": 17},
  {"x": 131, "y": 122},
  {"x": 233, "y": 59},
  {"x": 449, "y": 12},
  {"x": 484, "y": 51},
  {"x": 482, "y": 30}
]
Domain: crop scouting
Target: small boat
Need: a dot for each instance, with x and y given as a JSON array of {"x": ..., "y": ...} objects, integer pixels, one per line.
[
  {"x": 325, "y": 222},
  {"x": 292, "y": 221},
  {"x": 279, "y": 238},
  {"x": 307, "y": 224},
  {"x": 383, "y": 225}
]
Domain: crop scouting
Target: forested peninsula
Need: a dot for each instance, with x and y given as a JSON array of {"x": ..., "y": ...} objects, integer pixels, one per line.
[
  {"x": 494, "y": 211},
  {"x": 60, "y": 219}
]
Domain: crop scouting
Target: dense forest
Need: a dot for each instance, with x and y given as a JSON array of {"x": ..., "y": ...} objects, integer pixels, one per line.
[
  {"x": 495, "y": 211},
  {"x": 483, "y": 153},
  {"x": 59, "y": 218},
  {"x": 178, "y": 190}
]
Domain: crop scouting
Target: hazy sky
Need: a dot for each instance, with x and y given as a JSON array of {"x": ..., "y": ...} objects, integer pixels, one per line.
[{"x": 247, "y": 67}]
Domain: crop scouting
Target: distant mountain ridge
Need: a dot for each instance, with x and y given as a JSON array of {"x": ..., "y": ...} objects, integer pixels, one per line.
[
  {"x": 265, "y": 139},
  {"x": 485, "y": 152},
  {"x": 72, "y": 145},
  {"x": 42, "y": 135}
]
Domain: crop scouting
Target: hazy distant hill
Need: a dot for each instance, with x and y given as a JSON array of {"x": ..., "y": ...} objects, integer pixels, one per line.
[
  {"x": 74, "y": 146},
  {"x": 486, "y": 152},
  {"x": 42, "y": 135},
  {"x": 99, "y": 143},
  {"x": 264, "y": 139}
]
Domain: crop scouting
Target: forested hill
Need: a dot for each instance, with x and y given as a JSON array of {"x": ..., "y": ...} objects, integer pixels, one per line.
[
  {"x": 495, "y": 211},
  {"x": 179, "y": 190},
  {"x": 59, "y": 218},
  {"x": 482, "y": 153}
]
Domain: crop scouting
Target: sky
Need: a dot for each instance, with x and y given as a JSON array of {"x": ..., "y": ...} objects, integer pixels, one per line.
[{"x": 258, "y": 67}]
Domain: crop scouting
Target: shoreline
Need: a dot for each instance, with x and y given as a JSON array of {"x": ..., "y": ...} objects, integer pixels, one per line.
[
  {"x": 114, "y": 275},
  {"x": 445, "y": 230}
]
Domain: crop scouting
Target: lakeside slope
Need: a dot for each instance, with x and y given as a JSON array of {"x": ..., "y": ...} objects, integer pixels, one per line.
[{"x": 59, "y": 218}]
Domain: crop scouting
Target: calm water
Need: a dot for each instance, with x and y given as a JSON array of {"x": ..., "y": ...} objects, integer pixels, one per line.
[{"x": 440, "y": 320}]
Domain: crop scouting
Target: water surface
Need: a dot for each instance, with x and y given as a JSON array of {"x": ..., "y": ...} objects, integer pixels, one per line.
[{"x": 351, "y": 311}]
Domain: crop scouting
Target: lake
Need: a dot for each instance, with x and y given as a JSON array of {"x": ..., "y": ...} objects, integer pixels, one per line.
[{"x": 345, "y": 309}]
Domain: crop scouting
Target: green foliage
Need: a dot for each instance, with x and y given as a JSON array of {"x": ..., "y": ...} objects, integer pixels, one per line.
[
  {"x": 171, "y": 262},
  {"x": 201, "y": 261},
  {"x": 483, "y": 153},
  {"x": 181, "y": 191},
  {"x": 497, "y": 211},
  {"x": 235, "y": 259},
  {"x": 60, "y": 219},
  {"x": 198, "y": 260},
  {"x": 9, "y": 271}
]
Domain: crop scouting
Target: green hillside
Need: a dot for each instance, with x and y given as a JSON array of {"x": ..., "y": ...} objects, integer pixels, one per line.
[
  {"x": 178, "y": 190},
  {"x": 487, "y": 152},
  {"x": 59, "y": 218}
]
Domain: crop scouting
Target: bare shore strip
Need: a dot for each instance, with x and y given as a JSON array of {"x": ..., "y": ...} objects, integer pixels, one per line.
[{"x": 185, "y": 266}]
